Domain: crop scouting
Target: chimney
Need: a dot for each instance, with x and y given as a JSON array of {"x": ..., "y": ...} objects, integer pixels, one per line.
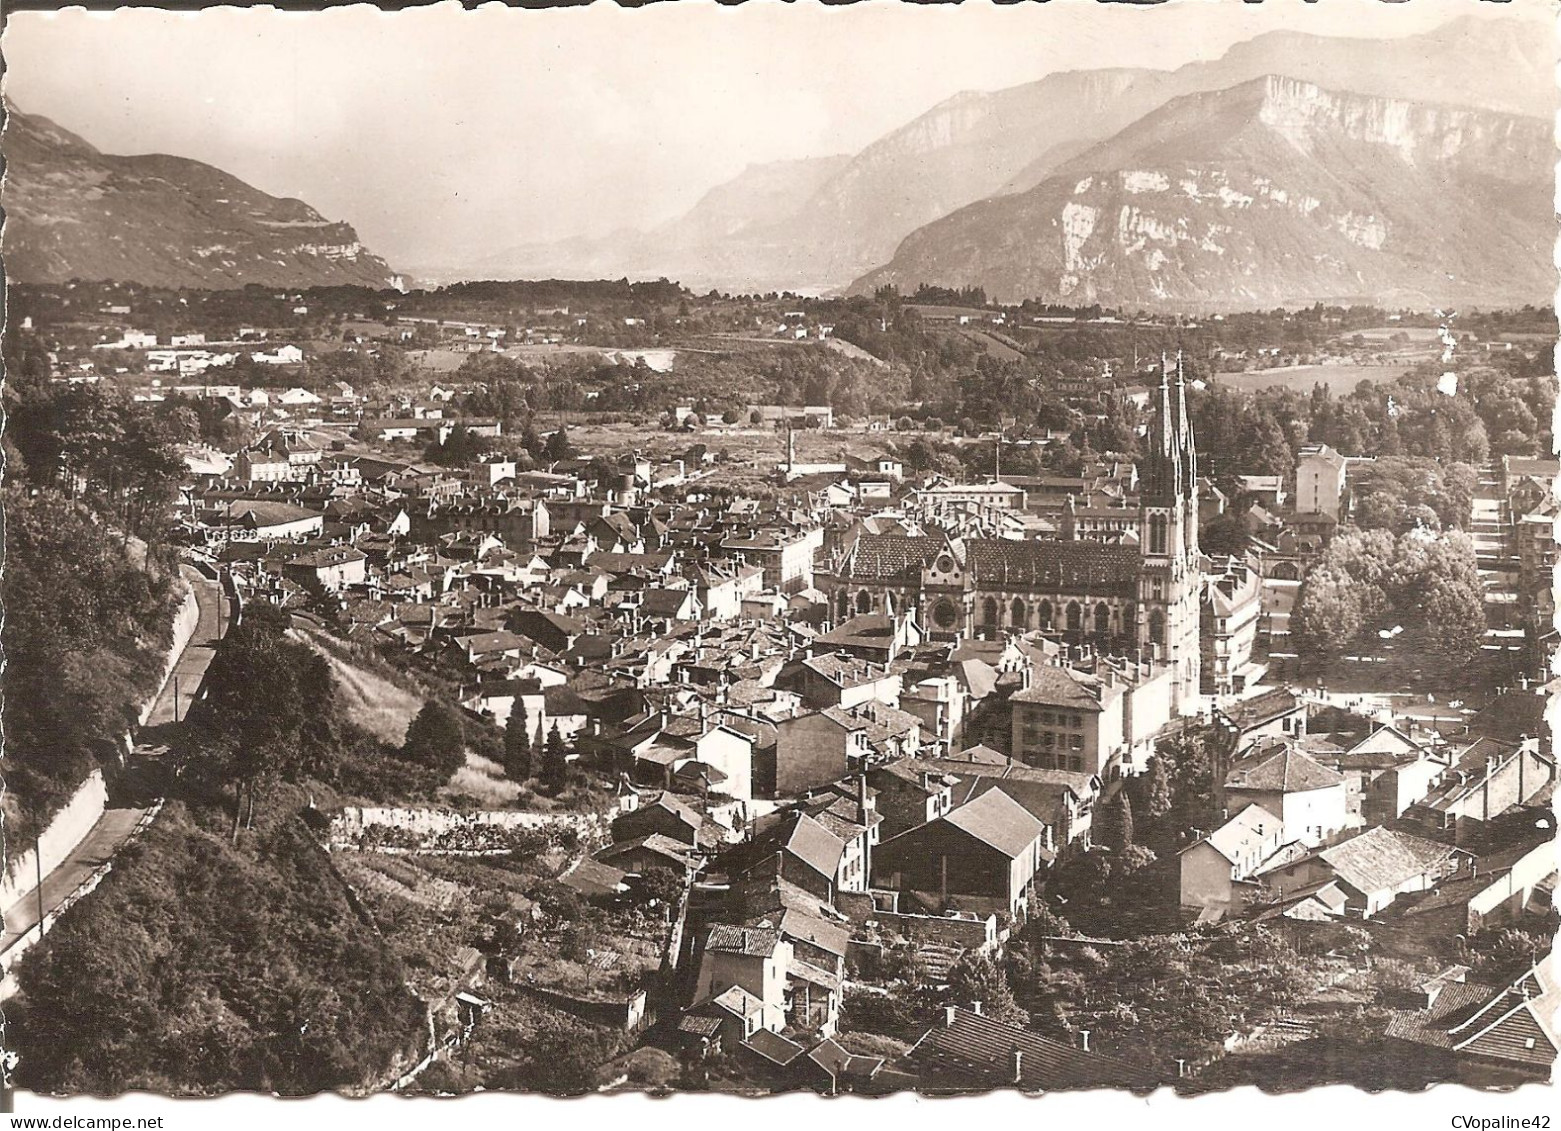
[
  {"x": 950, "y": 1015},
  {"x": 1018, "y": 1064},
  {"x": 1084, "y": 1039},
  {"x": 975, "y": 1007}
]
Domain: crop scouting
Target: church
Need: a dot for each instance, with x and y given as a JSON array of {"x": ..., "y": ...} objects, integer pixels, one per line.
[{"x": 1140, "y": 600}]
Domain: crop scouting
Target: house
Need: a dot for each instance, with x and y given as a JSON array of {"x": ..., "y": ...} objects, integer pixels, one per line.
[
  {"x": 264, "y": 520},
  {"x": 786, "y": 557},
  {"x": 1319, "y": 480},
  {"x": 872, "y": 636},
  {"x": 983, "y": 855},
  {"x": 1308, "y": 798},
  {"x": 1277, "y": 712},
  {"x": 1099, "y": 721},
  {"x": 647, "y": 853},
  {"x": 910, "y": 793},
  {"x": 1266, "y": 490},
  {"x": 836, "y": 680},
  {"x": 1371, "y": 869},
  {"x": 1488, "y": 1036},
  {"x": 972, "y": 1052},
  {"x": 941, "y": 704},
  {"x": 498, "y": 698},
  {"x": 1385, "y": 772},
  {"x": 328, "y": 570},
  {"x": 754, "y": 960},
  {"x": 1063, "y": 801},
  {"x": 811, "y": 750},
  {"x": 798, "y": 849},
  {"x": 664, "y": 815},
  {"x": 1228, "y": 623},
  {"x": 1487, "y": 778},
  {"x": 849, "y": 810},
  {"x": 1213, "y": 868},
  {"x": 598, "y": 882},
  {"x": 669, "y": 605}
]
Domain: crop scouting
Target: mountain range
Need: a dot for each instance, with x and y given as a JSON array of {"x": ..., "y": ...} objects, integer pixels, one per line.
[
  {"x": 1293, "y": 168},
  {"x": 840, "y": 219},
  {"x": 1271, "y": 192},
  {"x": 74, "y": 212}
]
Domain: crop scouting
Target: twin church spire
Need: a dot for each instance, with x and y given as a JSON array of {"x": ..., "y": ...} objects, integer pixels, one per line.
[{"x": 1170, "y": 468}]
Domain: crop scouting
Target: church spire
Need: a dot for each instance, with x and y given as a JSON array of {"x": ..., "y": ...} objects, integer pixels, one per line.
[
  {"x": 1186, "y": 448},
  {"x": 1162, "y": 473}
]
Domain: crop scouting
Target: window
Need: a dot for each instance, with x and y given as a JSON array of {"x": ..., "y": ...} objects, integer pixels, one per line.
[
  {"x": 864, "y": 602},
  {"x": 1049, "y": 740},
  {"x": 1048, "y": 717},
  {"x": 1102, "y": 620},
  {"x": 1076, "y": 742},
  {"x": 1076, "y": 722},
  {"x": 1016, "y": 614},
  {"x": 1075, "y": 617},
  {"x": 1076, "y": 764},
  {"x": 1043, "y": 615}
]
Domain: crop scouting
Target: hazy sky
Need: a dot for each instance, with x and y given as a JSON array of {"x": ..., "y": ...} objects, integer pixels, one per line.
[{"x": 440, "y": 133}]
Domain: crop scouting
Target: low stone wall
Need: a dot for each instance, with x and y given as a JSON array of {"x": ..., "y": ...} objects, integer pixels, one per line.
[
  {"x": 969, "y": 934},
  {"x": 409, "y": 831},
  {"x": 628, "y": 1014}
]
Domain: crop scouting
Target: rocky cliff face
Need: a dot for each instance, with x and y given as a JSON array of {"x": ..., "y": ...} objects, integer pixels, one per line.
[
  {"x": 73, "y": 212},
  {"x": 978, "y": 145},
  {"x": 1274, "y": 191}
]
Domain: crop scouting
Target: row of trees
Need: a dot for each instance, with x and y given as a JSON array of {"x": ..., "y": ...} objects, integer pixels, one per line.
[
  {"x": 119, "y": 456},
  {"x": 1403, "y": 493},
  {"x": 1370, "y": 580}
]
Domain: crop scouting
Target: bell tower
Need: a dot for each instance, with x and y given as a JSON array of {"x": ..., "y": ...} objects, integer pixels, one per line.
[{"x": 1170, "y": 583}]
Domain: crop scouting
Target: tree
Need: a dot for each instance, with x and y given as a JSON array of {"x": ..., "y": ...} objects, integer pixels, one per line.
[
  {"x": 263, "y": 713},
  {"x": 558, "y": 446},
  {"x": 1328, "y": 615},
  {"x": 976, "y": 978},
  {"x": 1452, "y": 604},
  {"x": 1225, "y": 535},
  {"x": 436, "y": 738},
  {"x": 555, "y": 761},
  {"x": 1190, "y": 765},
  {"x": 1116, "y": 831},
  {"x": 517, "y": 743},
  {"x": 659, "y": 887}
]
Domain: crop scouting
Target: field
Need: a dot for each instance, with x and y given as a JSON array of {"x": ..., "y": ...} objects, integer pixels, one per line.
[
  {"x": 1339, "y": 379},
  {"x": 1421, "y": 334},
  {"x": 370, "y": 700}
]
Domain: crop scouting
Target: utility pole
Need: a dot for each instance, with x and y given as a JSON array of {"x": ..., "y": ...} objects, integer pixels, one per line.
[{"x": 38, "y": 866}]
